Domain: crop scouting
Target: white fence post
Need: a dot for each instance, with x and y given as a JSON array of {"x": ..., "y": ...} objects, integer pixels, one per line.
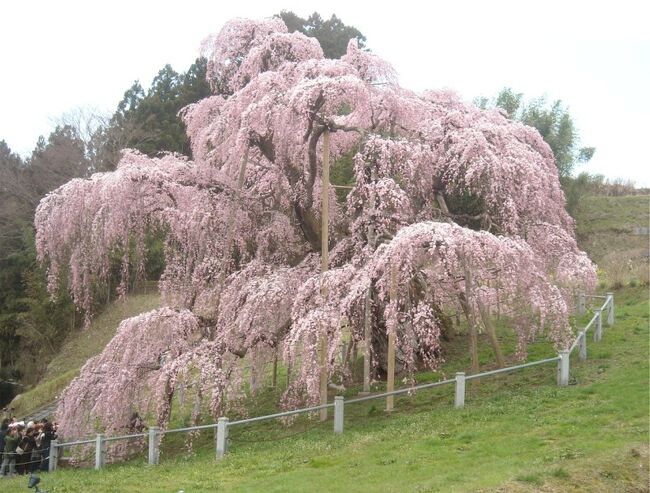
[
  {"x": 598, "y": 333},
  {"x": 154, "y": 445},
  {"x": 582, "y": 346},
  {"x": 99, "y": 451},
  {"x": 459, "y": 402},
  {"x": 563, "y": 369},
  {"x": 222, "y": 437},
  {"x": 339, "y": 405},
  {"x": 610, "y": 312},
  {"x": 54, "y": 456}
]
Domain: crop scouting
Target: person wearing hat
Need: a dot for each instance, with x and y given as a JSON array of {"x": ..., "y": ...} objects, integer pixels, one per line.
[
  {"x": 27, "y": 446},
  {"x": 9, "y": 456},
  {"x": 48, "y": 435}
]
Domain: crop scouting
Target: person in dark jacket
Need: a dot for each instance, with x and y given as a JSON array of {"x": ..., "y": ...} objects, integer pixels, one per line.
[
  {"x": 9, "y": 456},
  {"x": 3, "y": 433},
  {"x": 27, "y": 445},
  {"x": 48, "y": 435}
]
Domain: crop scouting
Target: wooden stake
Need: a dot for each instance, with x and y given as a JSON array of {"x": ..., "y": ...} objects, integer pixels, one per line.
[
  {"x": 471, "y": 318},
  {"x": 390, "y": 380},
  {"x": 274, "y": 380},
  {"x": 492, "y": 334},
  {"x": 288, "y": 374},
  {"x": 324, "y": 263},
  {"x": 367, "y": 315},
  {"x": 367, "y": 335}
]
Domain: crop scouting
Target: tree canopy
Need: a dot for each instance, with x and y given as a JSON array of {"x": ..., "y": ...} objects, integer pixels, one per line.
[{"x": 453, "y": 209}]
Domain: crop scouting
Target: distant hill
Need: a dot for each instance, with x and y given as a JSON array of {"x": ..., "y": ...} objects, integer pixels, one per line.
[
  {"x": 614, "y": 232},
  {"x": 79, "y": 346}
]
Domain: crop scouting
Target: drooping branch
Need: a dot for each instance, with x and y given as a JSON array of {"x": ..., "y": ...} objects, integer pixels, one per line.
[{"x": 243, "y": 238}]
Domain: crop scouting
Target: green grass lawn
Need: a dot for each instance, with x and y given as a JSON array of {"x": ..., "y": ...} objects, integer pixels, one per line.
[{"x": 518, "y": 432}]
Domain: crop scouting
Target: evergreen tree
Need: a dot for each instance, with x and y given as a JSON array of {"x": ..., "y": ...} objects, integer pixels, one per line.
[
  {"x": 332, "y": 34},
  {"x": 148, "y": 120}
]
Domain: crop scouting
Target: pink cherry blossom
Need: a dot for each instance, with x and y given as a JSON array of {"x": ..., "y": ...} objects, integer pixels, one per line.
[{"x": 463, "y": 205}]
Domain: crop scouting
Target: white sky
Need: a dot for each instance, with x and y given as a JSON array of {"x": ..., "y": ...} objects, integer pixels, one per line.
[{"x": 595, "y": 57}]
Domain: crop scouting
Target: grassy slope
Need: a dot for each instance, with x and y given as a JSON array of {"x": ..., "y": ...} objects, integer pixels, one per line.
[
  {"x": 607, "y": 223},
  {"x": 79, "y": 347},
  {"x": 518, "y": 433},
  {"x": 605, "y": 230}
]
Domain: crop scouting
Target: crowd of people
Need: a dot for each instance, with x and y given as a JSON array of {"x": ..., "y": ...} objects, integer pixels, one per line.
[{"x": 25, "y": 447}]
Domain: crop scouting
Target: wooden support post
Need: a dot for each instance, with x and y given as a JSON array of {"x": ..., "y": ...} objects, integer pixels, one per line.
[
  {"x": 492, "y": 334},
  {"x": 367, "y": 335},
  {"x": 323, "y": 376},
  {"x": 390, "y": 379},
  {"x": 288, "y": 373},
  {"x": 274, "y": 378},
  {"x": 325, "y": 188},
  {"x": 253, "y": 378},
  {"x": 367, "y": 315}
]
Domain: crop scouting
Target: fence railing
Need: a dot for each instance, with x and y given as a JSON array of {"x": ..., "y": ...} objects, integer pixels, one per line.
[{"x": 223, "y": 424}]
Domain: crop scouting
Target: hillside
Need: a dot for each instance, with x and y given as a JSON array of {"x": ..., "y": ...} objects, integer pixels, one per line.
[
  {"x": 614, "y": 232},
  {"x": 78, "y": 347},
  {"x": 518, "y": 433}
]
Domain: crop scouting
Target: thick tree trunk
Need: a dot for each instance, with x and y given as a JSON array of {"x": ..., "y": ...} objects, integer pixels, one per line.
[{"x": 310, "y": 226}]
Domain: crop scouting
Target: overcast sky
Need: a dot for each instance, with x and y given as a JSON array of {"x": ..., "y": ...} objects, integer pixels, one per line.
[{"x": 595, "y": 57}]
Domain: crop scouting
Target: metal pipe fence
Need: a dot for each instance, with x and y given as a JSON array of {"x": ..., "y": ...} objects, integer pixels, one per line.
[{"x": 223, "y": 424}]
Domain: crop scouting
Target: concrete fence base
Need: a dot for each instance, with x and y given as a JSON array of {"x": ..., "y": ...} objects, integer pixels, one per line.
[
  {"x": 222, "y": 437},
  {"x": 459, "y": 398},
  {"x": 154, "y": 445}
]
